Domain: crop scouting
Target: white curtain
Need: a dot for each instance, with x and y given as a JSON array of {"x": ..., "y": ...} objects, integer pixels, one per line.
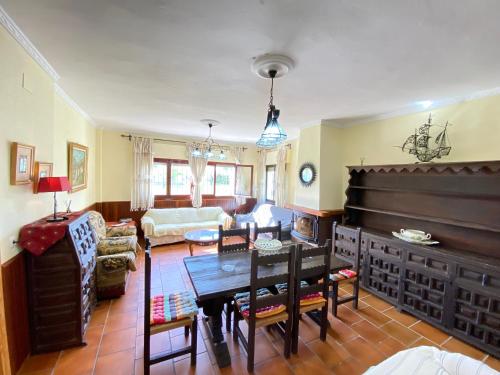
[
  {"x": 238, "y": 154},
  {"x": 280, "y": 178},
  {"x": 197, "y": 165},
  {"x": 142, "y": 192},
  {"x": 261, "y": 176}
]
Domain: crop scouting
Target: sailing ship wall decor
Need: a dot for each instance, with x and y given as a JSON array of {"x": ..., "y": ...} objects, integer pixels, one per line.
[{"x": 420, "y": 145}]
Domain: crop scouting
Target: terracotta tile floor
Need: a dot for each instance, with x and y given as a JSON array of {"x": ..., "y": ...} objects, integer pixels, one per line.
[{"x": 357, "y": 339}]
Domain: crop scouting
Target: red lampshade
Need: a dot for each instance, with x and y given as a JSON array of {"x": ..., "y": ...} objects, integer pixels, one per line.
[{"x": 53, "y": 184}]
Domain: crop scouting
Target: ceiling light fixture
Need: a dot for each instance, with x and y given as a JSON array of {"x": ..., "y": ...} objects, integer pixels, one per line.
[
  {"x": 272, "y": 66},
  {"x": 208, "y": 146}
]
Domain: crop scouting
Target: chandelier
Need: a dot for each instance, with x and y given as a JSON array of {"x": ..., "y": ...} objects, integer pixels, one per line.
[
  {"x": 208, "y": 148},
  {"x": 272, "y": 66}
]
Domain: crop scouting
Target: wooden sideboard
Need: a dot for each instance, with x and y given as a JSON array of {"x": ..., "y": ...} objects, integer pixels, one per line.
[
  {"x": 454, "y": 286},
  {"x": 61, "y": 289}
]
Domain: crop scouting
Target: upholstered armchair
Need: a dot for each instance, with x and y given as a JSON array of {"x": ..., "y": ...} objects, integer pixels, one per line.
[{"x": 116, "y": 253}]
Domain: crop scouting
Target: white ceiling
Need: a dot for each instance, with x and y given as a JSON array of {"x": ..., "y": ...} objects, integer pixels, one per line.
[{"x": 160, "y": 66}]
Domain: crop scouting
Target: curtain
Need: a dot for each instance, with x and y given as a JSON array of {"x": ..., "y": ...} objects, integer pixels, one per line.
[
  {"x": 142, "y": 192},
  {"x": 280, "y": 178},
  {"x": 238, "y": 154},
  {"x": 197, "y": 165},
  {"x": 261, "y": 176}
]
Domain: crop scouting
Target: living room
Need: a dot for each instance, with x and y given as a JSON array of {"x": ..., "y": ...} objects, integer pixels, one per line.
[{"x": 350, "y": 85}]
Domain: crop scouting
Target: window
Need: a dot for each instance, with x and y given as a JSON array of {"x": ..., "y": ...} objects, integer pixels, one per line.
[
  {"x": 159, "y": 180},
  {"x": 180, "y": 179},
  {"x": 173, "y": 178},
  {"x": 224, "y": 179},
  {"x": 270, "y": 175}
]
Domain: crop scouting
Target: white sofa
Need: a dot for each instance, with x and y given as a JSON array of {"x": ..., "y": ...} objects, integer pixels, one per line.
[{"x": 168, "y": 225}]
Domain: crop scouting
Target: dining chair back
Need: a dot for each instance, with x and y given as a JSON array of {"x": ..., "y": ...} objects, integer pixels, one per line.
[
  {"x": 275, "y": 231},
  {"x": 346, "y": 246},
  {"x": 190, "y": 323},
  {"x": 260, "y": 307},
  {"x": 311, "y": 287},
  {"x": 234, "y": 247}
]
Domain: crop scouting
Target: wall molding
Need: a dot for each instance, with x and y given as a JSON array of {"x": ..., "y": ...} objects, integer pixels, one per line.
[
  {"x": 348, "y": 122},
  {"x": 14, "y": 30},
  {"x": 59, "y": 91}
]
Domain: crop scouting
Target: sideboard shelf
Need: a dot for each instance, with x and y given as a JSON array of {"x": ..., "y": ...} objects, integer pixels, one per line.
[
  {"x": 454, "y": 286},
  {"x": 432, "y": 219}
]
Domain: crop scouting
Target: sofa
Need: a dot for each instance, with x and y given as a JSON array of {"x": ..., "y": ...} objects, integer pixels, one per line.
[
  {"x": 265, "y": 214},
  {"x": 168, "y": 225},
  {"x": 116, "y": 254}
]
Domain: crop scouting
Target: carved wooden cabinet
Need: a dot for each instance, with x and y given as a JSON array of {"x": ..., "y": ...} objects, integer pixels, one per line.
[
  {"x": 454, "y": 286},
  {"x": 61, "y": 288}
]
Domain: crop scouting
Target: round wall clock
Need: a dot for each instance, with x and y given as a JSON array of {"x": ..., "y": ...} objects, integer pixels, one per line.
[{"x": 307, "y": 174}]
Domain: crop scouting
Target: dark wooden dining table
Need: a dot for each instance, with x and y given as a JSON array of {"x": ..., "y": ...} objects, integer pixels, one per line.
[{"x": 216, "y": 277}]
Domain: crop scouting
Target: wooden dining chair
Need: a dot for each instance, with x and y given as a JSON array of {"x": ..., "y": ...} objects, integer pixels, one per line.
[
  {"x": 346, "y": 246},
  {"x": 223, "y": 248},
  {"x": 261, "y": 308},
  {"x": 182, "y": 312},
  {"x": 243, "y": 233},
  {"x": 275, "y": 231},
  {"x": 311, "y": 288}
]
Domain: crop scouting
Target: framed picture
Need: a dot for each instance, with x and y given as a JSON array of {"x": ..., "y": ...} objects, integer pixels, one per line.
[
  {"x": 21, "y": 163},
  {"x": 42, "y": 169},
  {"x": 77, "y": 166}
]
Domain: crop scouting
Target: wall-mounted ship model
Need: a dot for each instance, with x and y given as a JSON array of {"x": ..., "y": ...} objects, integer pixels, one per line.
[{"x": 425, "y": 146}]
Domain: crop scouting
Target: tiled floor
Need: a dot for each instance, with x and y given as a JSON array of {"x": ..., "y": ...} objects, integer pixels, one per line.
[{"x": 356, "y": 340}]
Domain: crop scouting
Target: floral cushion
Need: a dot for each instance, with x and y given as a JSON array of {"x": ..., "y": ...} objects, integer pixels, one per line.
[
  {"x": 171, "y": 307},
  {"x": 243, "y": 303},
  {"x": 97, "y": 222},
  {"x": 121, "y": 261},
  {"x": 121, "y": 231},
  {"x": 308, "y": 299},
  {"x": 343, "y": 275},
  {"x": 115, "y": 245}
]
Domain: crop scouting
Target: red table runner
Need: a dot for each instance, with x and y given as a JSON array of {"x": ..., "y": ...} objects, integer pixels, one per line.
[{"x": 40, "y": 235}]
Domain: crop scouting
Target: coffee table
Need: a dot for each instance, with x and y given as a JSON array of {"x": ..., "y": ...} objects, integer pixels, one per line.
[{"x": 201, "y": 237}]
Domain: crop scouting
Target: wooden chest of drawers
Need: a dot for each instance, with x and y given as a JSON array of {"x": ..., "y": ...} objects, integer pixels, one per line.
[{"x": 61, "y": 288}]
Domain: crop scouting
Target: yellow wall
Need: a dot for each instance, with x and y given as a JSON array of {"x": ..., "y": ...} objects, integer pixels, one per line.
[
  {"x": 37, "y": 116},
  {"x": 474, "y": 135},
  {"x": 117, "y": 163}
]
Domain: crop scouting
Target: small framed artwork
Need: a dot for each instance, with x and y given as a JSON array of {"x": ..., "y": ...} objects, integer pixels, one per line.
[
  {"x": 42, "y": 169},
  {"x": 77, "y": 166},
  {"x": 21, "y": 163}
]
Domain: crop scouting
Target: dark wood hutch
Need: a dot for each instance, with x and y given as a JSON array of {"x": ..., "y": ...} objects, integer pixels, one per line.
[{"x": 454, "y": 285}]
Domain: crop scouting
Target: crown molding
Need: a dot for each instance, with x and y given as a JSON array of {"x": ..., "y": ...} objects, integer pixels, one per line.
[
  {"x": 59, "y": 91},
  {"x": 349, "y": 122},
  {"x": 9, "y": 24}
]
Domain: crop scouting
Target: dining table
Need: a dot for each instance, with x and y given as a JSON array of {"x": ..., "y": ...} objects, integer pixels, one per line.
[{"x": 217, "y": 277}]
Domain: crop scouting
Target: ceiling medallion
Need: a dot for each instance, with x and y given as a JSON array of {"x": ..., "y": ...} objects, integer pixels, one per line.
[
  {"x": 271, "y": 67},
  {"x": 208, "y": 147}
]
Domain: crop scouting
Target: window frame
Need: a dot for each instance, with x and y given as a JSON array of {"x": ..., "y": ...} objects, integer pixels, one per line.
[
  {"x": 271, "y": 167},
  {"x": 169, "y": 163}
]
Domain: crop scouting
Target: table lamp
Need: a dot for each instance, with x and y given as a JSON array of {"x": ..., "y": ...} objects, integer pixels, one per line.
[{"x": 53, "y": 185}]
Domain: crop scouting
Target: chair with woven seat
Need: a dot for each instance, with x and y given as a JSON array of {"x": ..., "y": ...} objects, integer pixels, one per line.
[
  {"x": 259, "y": 307},
  {"x": 346, "y": 246},
  {"x": 270, "y": 231},
  {"x": 231, "y": 248},
  {"x": 161, "y": 316},
  {"x": 311, "y": 288}
]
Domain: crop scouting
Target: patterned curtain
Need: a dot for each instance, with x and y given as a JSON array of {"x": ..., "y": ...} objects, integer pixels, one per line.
[
  {"x": 197, "y": 165},
  {"x": 142, "y": 193},
  {"x": 280, "y": 178}
]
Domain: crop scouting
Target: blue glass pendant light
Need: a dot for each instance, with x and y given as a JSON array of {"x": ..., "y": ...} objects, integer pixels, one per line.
[{"x": 273, "y": 134}]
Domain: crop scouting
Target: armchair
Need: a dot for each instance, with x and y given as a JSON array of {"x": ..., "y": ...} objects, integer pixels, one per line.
[{"x": 116, "y": 253}]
